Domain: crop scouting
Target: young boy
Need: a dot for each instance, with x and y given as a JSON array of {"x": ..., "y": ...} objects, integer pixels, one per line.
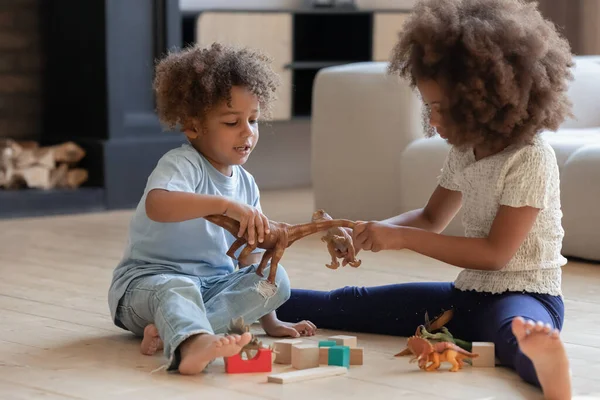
[{"x": 175, "y": 284}]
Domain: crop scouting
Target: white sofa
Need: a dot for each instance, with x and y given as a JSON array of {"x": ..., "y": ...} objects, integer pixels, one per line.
[{"x": 371, "y": 161}]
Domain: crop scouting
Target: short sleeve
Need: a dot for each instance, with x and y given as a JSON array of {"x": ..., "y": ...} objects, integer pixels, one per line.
[
  {"x": 531, "y": 178},
  {"x": 175, "y": 172},
  {"x": 256, "y": 203},
  {"x": 446, "y": 179}
]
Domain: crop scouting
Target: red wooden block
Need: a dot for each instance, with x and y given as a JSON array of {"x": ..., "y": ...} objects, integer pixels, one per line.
[{"x": 261, "y": 362}]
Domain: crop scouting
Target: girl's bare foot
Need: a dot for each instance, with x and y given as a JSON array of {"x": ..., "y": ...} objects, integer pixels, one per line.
[
  {"x": 198, "y": 350},
  {"x": 151, "y": 343},
  {"x": 543, "y": 346}
]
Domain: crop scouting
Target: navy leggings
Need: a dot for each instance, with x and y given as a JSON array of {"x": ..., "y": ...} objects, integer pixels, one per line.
[{"x": 398, "y": 309}]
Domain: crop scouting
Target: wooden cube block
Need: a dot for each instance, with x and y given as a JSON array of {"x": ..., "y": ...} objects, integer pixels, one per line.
[
  {"x": 356, "y": 356},
  {"x": 283, "y": 350},
  {"x": 327, "y": 343},
  {"x": 343, "y": 340},
  {"x": 486, "y": 351},
  {"x": 340, "y": 356},
  {"x": 305, "y": 356},
  {"x": 324, "y": 355}
]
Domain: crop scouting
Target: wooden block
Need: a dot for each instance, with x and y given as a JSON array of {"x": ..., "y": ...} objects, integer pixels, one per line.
[
  {"x": 327, "y": 343},
  {"x": 305, "y": 356},
  {"x": 283, "y": 350},
  {"x": 486, "y": 351},
  {"x": 356, "y": 356},
  {"x": 324, "y": 355},
  {"x": 340, "y": 356},
  {"x": 343, "y": 340},
  {"x": 306, "y": 374}
]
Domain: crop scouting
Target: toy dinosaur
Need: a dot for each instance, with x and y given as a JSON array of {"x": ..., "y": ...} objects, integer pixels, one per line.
[
  {"x": 435, "y": 353},
  {"x": 337, "y": 239},
  {"x": 238, "y": 327},
  {"x": 443, "y": 336},
  {"x": 281, "y": 236},
  {"x": 428, "y": 331}
]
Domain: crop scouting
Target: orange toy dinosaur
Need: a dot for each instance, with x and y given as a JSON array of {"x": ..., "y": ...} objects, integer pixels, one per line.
[
  {"x": 424, "y": 352},
  {"x": 337, "y": 239},
  {"x": 281, "y": 236}
]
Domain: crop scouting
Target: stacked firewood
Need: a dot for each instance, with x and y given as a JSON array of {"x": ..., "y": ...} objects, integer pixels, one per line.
[{"x": 28, "y": 165}]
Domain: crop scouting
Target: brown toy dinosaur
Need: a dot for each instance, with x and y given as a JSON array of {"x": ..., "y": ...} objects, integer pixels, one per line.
[
  {"x": 281, "y": 236},
  {"x": 337, "y": 239},
  {"x": 435, "y": 353},
  {"x": 238, "y": 327}
]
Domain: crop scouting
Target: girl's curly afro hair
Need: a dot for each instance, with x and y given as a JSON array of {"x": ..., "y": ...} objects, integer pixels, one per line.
[
  {"x": 192, "y": 81},
  {"x": 503, "y": 68}
]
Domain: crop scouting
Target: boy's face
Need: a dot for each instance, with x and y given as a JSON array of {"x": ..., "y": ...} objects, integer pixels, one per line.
[{"x": 230, "y": 133}]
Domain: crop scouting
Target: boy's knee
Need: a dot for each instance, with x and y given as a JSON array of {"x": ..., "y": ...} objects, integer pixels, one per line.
[
  {"x": 178, "y": 286},
  {"x": 282, "y": 288}
]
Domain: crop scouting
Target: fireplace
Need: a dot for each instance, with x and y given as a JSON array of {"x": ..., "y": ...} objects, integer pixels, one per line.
[{"x": 98, "y": 58}]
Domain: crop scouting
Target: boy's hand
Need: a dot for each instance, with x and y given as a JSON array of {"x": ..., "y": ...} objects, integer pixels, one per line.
[
  {"x": 377, "y": 236},
  {"x": 250, "y": 219}
]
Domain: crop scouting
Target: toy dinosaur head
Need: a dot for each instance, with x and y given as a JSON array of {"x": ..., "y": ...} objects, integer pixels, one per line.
[
  {"x": 237, "y": 326},
  {"x": 421, "y": 348},
  {"x": 319, "y": 214}
]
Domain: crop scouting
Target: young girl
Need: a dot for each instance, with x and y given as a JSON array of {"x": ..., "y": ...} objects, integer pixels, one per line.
[
  {"x": 492, "y": 74},
  {"x": 176, "y": 282}
]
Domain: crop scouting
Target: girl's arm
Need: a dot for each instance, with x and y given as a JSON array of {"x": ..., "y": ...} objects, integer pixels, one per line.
[
  {"x": 507, "y": 233},
  {"x": 492, "y": 253},
  {"x": 435, "y": 216}
]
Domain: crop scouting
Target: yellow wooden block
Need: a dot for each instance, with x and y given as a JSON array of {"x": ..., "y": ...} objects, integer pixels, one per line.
[
  {"x": 324, "y": 355},
  {"x": 306, "y": 374},
  {"x": 356, "y": 356},
  {"x": 283, "y": 350},
  {"x": 344, "y": 340},
  {"x": 486, "y": 351},
  {"x": 305, "y": 356}
]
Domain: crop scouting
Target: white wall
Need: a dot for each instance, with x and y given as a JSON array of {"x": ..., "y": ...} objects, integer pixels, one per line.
[{"x": 271, "y": 4}]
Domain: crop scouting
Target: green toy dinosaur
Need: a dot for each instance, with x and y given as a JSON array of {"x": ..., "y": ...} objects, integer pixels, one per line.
[{"x": 435, "y": 331}]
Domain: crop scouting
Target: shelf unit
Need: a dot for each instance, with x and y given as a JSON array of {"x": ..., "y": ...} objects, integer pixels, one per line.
[{"x": 301, "y": 42}]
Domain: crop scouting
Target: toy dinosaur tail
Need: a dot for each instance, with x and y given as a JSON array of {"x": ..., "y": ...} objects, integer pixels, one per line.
[{"x": 302, "y": 230}]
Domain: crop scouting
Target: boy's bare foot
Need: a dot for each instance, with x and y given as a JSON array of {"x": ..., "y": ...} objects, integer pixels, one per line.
[
  {"x": 151, "y": 343},
  {"x": 199, "y": 350},
  {"x": 543, "y": 346}
]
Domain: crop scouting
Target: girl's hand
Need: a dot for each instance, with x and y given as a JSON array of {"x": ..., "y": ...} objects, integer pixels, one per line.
[
  {"x": 251, "y": 220},
  {"x": 377, "y": 236}
]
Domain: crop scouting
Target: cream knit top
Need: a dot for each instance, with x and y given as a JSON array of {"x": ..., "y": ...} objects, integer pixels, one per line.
[{"x": 520, "y": 175}]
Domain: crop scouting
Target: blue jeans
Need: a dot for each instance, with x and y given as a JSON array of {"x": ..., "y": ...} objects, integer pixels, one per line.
[
  {"x": 399, "y": 309},
  {"x": 181, "y": 306}
]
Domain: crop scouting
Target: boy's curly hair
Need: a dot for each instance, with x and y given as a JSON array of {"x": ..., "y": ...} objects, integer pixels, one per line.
[
  {"x": 190, "y": 82},
  {"x": 503, "y": 67}
]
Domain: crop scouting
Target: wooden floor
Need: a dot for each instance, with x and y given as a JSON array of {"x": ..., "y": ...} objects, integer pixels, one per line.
[{"x": 57, "y": 340}]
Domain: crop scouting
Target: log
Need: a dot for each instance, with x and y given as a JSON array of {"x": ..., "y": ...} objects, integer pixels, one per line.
[{"x": 26, "y": 164}]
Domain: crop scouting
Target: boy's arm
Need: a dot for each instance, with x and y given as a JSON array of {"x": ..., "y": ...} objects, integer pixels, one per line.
[
  {"x": 441, "y": 208},
  {"x": 172, "y": 206}
]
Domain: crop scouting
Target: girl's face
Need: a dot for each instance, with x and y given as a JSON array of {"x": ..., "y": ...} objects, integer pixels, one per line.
[
  {"x": 229, "y": 134},
  {"x": 435, "y": 103}
]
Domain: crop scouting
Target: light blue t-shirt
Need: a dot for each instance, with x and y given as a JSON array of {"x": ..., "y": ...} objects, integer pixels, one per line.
[{"x": 195, "y": 247}]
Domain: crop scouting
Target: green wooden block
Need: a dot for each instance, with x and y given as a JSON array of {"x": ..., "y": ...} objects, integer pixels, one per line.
[
  {"x": 340, "y": 356},
  {"x": 327, "y": 343}
]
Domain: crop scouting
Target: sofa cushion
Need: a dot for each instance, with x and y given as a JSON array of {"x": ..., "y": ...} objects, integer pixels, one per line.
[
  {"x": 566, "y": 141},
  {"x": 583, "y": 92}
]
